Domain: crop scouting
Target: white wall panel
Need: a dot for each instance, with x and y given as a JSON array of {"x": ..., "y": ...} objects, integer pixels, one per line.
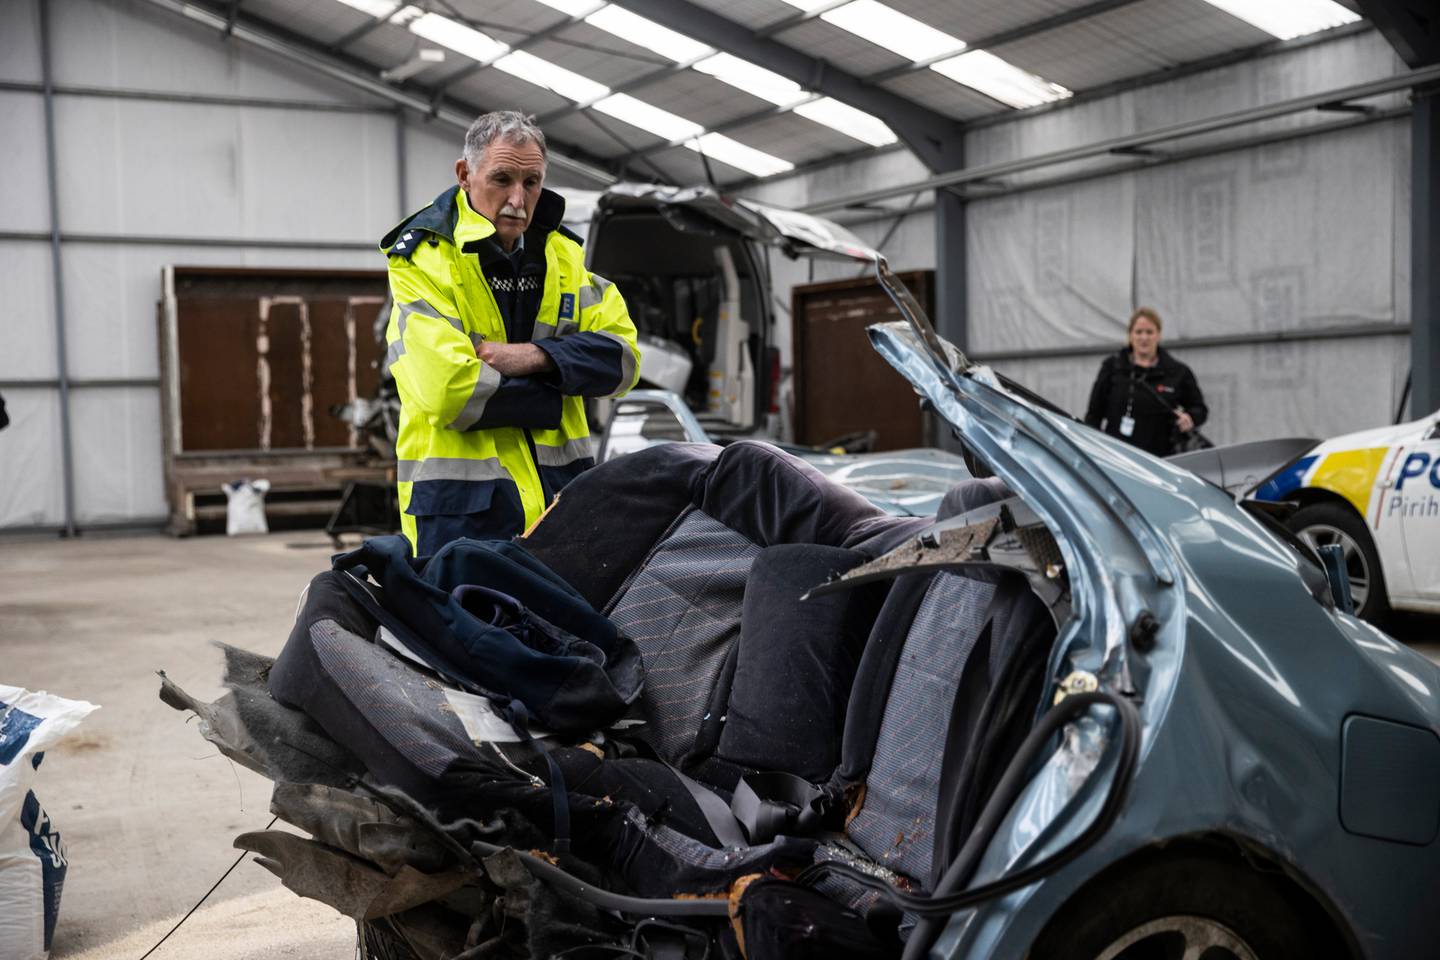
[
  {"x": 19, "y": 40},
  {"x": 31, "y": 492},
  {"x": 27, "y": 323},
  {"x": 1311, "y": 69},
  {"x": 1290, "y": 236},
  {"x": 1051, "y": 267},
  {"x": 127, "y": 44},
  {"x": 113, "y": 291},
  {"x": 24, "y": 203},
  {"x": 897, "y": 166},
  {"x": 118, "y": 464},
  {"x": 191, "y": 170},
  {"x": 431, "y": 150}
]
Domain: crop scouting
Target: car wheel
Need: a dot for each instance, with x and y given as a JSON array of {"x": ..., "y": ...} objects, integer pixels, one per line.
[
  {"x": 1323, "y": 524},
  {"x": 1182, "y": 908}
]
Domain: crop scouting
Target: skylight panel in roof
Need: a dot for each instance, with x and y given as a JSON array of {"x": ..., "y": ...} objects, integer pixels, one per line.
[
  {"x": 647, "y": 33},
  {"x": 893, "y": 30},
  {"x": 573, "y": 8},
  {"x": 1288, "y": 18},
  {"x": 752, "y": 78},
  {"x": 376, "y": 8},
  {"x": 717, "y": 146},
  {"x": 847, "y": 120},
  {"x": 994, "y": 77},
  {"x": 458, "y": 37},
  {"x": 637, "y": 113},
  {"x": 551, "y": 76}
]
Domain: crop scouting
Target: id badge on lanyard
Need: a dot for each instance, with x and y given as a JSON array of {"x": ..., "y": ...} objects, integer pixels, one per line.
[{"x": 1127, "y": 422}]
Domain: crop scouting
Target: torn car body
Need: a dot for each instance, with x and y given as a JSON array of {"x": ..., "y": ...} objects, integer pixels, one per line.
[{"x": 1097, "y": 672}]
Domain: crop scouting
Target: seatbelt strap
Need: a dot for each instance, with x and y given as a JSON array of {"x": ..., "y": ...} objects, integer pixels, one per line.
[
  {"x": 772, "y": 803},
  {"x": 715, "y": 811}
]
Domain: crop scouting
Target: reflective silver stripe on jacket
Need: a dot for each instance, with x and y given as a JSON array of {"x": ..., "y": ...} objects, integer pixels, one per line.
[
  {"x": 474, "y": 409},
  {"x": 563, "y": 456},
  {"x": 544, "y": 329},
  {"x": 627, "y": 362},
  {"x": 594, "y": 291},
  {"x": 449, "y": 468},
  {"x": 424, "y": 309},
  {"x": 393, "y": 352}
]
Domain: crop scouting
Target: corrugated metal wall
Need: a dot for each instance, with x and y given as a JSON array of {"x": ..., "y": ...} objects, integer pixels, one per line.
[
  {"x": 1294, "y": 237},
  {"x": 147, "y": 182}
]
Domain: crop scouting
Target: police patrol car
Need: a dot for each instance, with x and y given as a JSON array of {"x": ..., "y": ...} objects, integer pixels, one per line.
[{"x": 1376, "y": 493}]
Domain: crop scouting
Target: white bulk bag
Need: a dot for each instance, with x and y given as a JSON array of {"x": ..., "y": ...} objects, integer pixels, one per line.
[
  {"x": 245, "y": 506},
  {"x": 32, "y": 858}
]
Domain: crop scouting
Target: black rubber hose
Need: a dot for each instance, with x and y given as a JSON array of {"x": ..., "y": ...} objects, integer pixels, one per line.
[
  {"x": 547, "y": 872},
  {"x": 943, "y": 903},
  {"x": 1015, "y": 779}
]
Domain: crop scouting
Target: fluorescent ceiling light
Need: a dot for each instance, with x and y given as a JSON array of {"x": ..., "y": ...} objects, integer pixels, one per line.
[
  {"x": 422, "y": 60},
  {"x": 552, "y": 77},
  {"x": 573, "y": 8},
  {"x": 637, "y": 113},
  {"x": 635, "y": 29},
  {"x": 893, "y": 30},
  {"x": 847, "y": 120},
  {"x": 717, "y": 146},
  {"x": 462, "y": 39},
  {"x": 753, "y": 79},
  {"x": 983, "y": 71},
  {"x": 1288, "y": 18},
  {"x": 376, "y": 8}
]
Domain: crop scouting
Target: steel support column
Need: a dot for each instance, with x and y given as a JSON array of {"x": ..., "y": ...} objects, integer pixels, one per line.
[
  {"x": 1413, "y": 30},
  {"x": 67, "y": 457},
  {"x": 401, "y": 164},
  {"x": 1425, "y": 251}
]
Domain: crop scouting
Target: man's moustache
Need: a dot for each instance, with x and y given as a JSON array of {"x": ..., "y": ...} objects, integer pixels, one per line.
[{"x": 512, "y": 212}]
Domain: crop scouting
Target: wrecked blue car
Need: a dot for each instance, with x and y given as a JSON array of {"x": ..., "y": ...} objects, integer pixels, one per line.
[{"x": 1093, "y": 709}]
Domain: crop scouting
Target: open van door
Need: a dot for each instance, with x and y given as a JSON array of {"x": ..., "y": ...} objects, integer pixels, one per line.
[{"x": 691, "y": 265}]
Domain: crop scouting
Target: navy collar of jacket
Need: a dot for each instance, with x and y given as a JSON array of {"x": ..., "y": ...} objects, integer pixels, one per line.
[
  {"x": 441, "y": 216},
  {"x": 1163, "y": 360}
]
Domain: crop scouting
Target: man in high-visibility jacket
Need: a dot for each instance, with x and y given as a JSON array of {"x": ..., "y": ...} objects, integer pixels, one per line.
[{"x": 497, "y": 334}]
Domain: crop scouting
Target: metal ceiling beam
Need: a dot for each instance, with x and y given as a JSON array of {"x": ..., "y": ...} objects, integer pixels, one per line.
[
  {"x": 364, "y": 76},
  {"x": 1092, "y": 94},
  {"x": 805, "y": 16},
  {"x": 1411, "y": 26},
  {"x": 524, "y": 43},
  {"x": 1114, "y": 145},
  {"x": 930, "y": 135},
  {"x": 1030, "y": 29},
  {"x": 1022, "y": 32}
]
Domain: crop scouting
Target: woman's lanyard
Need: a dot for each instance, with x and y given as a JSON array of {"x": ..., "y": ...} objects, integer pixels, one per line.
[{"x": 1127, "y": 422}]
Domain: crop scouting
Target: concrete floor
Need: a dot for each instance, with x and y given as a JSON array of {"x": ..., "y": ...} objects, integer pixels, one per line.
[{"x": 146, "y": 807}]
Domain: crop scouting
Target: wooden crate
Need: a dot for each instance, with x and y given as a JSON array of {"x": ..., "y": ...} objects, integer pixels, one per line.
[{"x": 252, "y": 360}]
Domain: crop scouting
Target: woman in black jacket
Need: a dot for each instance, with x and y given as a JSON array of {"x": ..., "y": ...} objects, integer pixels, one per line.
[{"x": 1143, "y": 395}]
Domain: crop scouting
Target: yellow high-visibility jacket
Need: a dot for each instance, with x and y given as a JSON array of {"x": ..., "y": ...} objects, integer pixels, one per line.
[{"x": 481, "y": 455}]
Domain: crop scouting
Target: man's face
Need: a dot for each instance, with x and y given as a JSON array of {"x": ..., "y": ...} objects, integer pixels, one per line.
[{"x": 504, "y": 186}]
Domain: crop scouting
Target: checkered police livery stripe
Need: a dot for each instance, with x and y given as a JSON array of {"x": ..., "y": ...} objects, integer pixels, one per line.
[
  {"x": 514, "y": 284},
  {"x": 683, "y": 611},
  {"x": 896, "y": 825}
]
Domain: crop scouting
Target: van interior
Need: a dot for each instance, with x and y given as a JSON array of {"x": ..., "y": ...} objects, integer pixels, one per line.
[{"x": 696, "y": 290}]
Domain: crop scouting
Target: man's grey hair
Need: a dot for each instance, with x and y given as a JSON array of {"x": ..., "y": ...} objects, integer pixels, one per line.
[{"x": 509, "y": 125}]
